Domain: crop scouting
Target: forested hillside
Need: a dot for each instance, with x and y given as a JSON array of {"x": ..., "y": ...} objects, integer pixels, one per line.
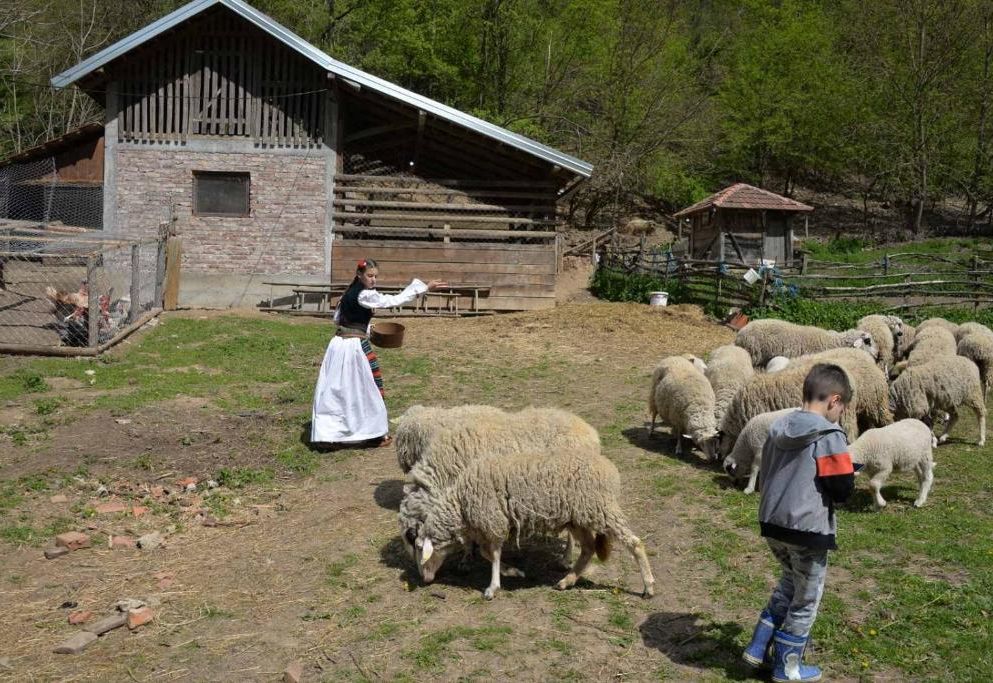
[{"x": 882, "y": 101}]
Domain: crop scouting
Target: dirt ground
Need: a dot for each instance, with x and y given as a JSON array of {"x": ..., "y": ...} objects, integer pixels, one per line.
[{"x": 310, "y": 568}]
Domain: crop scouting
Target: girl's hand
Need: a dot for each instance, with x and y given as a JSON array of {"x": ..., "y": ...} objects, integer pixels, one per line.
[{"x": 435, "y": 285}]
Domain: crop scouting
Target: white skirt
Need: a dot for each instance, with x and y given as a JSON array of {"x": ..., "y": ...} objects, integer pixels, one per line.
[{"x": 347, "y": 404}]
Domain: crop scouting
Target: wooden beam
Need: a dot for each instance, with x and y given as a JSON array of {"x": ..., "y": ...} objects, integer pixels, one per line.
[
  {"x": 449, "y": 182},
  {"x": 377, "y": 130},
  {"x": 466, "y": 233},
  {"x": 548, "y": 197},
  {"x": 512, "y": 208},
  {"x": 442, "y": 218}
]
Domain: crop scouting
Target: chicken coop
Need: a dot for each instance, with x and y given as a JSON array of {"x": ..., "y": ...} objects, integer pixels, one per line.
[{"x": 51, "y": 282}]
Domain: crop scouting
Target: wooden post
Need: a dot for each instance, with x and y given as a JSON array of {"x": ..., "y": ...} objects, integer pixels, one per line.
[
  {"x": 803, "y": 263},
  {"x": 765, "y": 282},
  {"x": 806, "y": 226},
  {"x": 160, "y": 261},
  {"x": 886, "y": 264},
  {"x": 906, "y": 291},
  {"x": 174, "y": 252},
  {"x": 93, "y": 302},
  {"x": 135, "y": 281},
  {"x": 720, "y": 248}
]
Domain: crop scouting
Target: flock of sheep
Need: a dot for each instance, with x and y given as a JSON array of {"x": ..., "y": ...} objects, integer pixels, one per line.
[
  {"x": 903, "y": 378},
  {"x": 479, "y": 476}
]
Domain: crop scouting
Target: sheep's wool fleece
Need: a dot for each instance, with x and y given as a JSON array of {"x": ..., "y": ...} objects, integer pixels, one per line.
[
  {"x": 685, "y": 400},
  {"x": 528, "y": 493},
  {"x": 904, "y": 445}
]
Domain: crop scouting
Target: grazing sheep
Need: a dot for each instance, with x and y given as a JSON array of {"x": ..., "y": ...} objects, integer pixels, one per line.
[
  {"x": 945, "y": 383},
  {"x": 930, "y": 343},
  {"x": 978, "y": 347},
  {"x": 906, "y": 342},
  {"x": 439, "y": 442},
  {"x": 973, "y": 327},
  {"x": 730, "y": 367},
  {"x": 764, "y": 339},
  {"x": 777, "y": 363},
  {"x": 903, "y": 446},
  {"x": 697, "y": 362},
  {"x": 746, "y": 456},
  {"x": 683, "y": 399},
  {"x": 530, "y": 492},
  {"x": 886, "y": 331},
  {"x": 784, "y": 389},
  {"x": 938, "y": 322}
]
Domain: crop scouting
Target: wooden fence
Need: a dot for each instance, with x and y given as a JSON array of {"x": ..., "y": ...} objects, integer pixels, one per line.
[{"x": 898, "y": 281}]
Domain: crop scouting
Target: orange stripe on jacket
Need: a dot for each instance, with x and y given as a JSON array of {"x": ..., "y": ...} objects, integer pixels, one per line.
[{"x": 834, "y": 465}]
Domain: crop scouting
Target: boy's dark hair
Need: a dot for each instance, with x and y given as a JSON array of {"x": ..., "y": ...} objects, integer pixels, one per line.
[{"x": 825, "y": 379}]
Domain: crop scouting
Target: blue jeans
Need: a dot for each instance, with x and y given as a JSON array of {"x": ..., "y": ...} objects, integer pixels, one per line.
[{"x": 796, "y": 599}]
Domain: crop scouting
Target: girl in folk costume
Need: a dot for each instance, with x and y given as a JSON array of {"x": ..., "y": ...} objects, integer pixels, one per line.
[{"x": 348, "y": 399}]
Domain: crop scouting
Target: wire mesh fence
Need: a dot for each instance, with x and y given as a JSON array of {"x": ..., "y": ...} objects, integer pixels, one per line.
[
  {"x": 35, "y": 192},
  {"x": 77, "y": 292}
]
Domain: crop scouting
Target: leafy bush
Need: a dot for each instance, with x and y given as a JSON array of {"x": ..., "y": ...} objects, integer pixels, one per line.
[
  {"x": 836, "y": 247},
  {"x": 614, "y": 285},
  {"x": 831, "y": 315}
]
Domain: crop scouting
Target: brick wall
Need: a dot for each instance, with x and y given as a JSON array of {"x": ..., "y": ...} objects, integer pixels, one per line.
[{"x": 283, "y": 234}]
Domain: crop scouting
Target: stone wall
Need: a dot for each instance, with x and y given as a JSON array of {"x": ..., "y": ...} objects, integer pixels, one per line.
[{"x": 285, "y": 232}]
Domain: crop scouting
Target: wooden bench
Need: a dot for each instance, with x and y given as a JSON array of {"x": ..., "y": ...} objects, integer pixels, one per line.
[{"x": 448, "y": 296}]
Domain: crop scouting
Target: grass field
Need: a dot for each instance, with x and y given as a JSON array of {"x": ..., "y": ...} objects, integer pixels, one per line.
[{"x": 304, "y": 564}]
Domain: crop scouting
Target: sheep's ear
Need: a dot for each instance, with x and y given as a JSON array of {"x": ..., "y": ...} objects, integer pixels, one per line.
[
  {"x": 427, "y": 550},
  {"x": 859, "y": 343}
]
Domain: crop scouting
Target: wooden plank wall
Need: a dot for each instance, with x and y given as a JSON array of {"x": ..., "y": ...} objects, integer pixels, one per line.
[
  {"x": 219, "y": 76},
  {"x": 521, "y": 276}
]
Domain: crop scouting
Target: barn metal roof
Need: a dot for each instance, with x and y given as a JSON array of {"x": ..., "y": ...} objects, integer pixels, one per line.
[
  {"x": 744, "y": 196},
  {"x": 341, "y": 69}
]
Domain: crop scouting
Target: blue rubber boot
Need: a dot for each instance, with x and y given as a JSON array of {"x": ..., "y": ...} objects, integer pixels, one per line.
[
  {"x": 757, "y": 652},
  {"x": 787, "y": 659}
]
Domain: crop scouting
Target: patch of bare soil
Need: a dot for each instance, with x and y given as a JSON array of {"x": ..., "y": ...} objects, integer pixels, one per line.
[{"x": 312, "y": 570}]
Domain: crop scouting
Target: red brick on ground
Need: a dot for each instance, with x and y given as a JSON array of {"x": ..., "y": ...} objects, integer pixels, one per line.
[
  {"x": 139, "y": 617},
  {"x": 80, "y": 617},
  {"x": 73, "y": 540}
]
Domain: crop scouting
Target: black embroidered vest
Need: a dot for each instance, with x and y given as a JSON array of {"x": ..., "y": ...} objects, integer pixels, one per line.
[{"x": 350, "y": 313}]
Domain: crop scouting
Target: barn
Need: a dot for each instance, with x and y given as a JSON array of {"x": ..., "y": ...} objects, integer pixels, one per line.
[
  {"x": 744, "y": 224},
  {"x": 275, "y": 163}
]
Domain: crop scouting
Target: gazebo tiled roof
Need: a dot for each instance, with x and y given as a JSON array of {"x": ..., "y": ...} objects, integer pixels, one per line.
[{"x": 743, "y": 196}]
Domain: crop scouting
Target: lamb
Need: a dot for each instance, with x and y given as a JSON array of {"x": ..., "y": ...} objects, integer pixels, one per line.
[
  {"x": 784, "y": 389},
  {"x": 435, "y": 444},
  {"x": 886, "y": 331},
  {"x": 777, "y": 363},
  {"x": 764, "y": 339},
  {"x": 530, "y": 492},
  {"x": 978, "y": 347},
  {"x": 730, "y": 367},
  {"x": 902, "y": 446},
  {"x": 945, "y": 383},
  {"x": 746, "y": 456},
  {"x": 683, "y": 399}
]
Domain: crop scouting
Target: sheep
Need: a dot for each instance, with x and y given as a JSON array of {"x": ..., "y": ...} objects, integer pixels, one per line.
[
  {"x": 906, "y": 341},
  {"x": 435, "y": 444},
  {"x": 764, "y": 339},
  {"x": 944, "y": 383},
  {"x": 972, "y": 327},
  {"x": 697, "y": 362},
  {"x": 777, "y": 363},
  {"x": 902, "y": 446},
  {"x": 683, "y": 399},
  {"x": 938, "y": 322},
  {"x": 930, "y": 343},
  {"x": 978, "y": 347},
  {"x": 784, "y": 389},
  {"x": 746, "y": 456},
  {"x": 531, "y": 492},
  {"x": 886, "y": 331},
  {"x": 730, "y": 367}
]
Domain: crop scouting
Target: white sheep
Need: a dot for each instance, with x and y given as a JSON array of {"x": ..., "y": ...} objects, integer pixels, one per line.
[
  {"x": 532, "y": 492},
  {"x": 697, "y": 362},
  {"x": 784, "y": 389},
  {"x": 777, "y": 363},
  {"x": 978, "y": 347},
  {"x": 746, "y": 456},
  {"x": 683, "y": 399},
  {"x": 764, "y": 339},
  {"x": 939, "y": 322},
  {"x": 903, "y": 446},
  {"x": 945, "y": 383},
  {"x": 972, "y": 327},
  {"x": 435, "y": 444},
  {"x": 886, "y": 331},
  {"x": 930, "y": 343},
  {"x": 729, "y": 368}
]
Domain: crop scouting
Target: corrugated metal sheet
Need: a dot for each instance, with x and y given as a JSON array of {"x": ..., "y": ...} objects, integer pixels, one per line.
[{"x": 307, "y": 50}]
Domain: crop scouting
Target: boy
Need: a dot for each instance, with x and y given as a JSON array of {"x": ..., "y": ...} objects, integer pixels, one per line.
[{"x": 806, "y": 469}]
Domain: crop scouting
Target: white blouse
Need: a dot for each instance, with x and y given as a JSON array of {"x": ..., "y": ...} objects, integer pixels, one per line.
[{"x": 370, "y": 298}]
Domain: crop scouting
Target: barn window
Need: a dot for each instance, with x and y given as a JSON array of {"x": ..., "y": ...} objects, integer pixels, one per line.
[{"x": 221, "y": 194}]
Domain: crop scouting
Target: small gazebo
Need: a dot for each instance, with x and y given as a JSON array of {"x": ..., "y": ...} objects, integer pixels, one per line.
[{"x": 743, "y": 223}]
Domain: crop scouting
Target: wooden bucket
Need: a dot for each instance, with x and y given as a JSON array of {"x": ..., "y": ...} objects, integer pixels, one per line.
[{"x": 387, "y": 335}]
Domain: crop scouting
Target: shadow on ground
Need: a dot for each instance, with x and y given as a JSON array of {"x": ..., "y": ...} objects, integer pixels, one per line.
[
  {"x": 663, "y": 443},
  {"x": 694, "y": 640},
  {"x": 388, "y": 494}
]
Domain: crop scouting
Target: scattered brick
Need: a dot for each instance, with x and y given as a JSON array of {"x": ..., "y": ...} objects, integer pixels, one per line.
[
  {"x": 293, "y": 673},
  {"x": 187, "y": 481},
  {"x": 138, "y": 510},
  {"x": 80, "y": 617},
  {"x": 139, "y": 617},
  {"x": 111, "y": 507},
  {"x": 59, "y": 498},
  {"x": 76, "y": 644},
  {"x": 52, "y": 553},
  {"x": 73, "y": 540},
  {"x": 115, "y": 620}
]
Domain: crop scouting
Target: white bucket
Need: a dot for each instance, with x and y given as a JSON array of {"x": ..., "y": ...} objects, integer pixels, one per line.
[
  {"x": 659, "y": 298},
  {"x": 769, "y": 262},
  {"x": 751, "y": 277}
]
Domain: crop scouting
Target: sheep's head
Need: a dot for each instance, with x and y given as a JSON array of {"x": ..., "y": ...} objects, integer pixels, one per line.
[
  {"x": 731, "y": 467},
  {"x": 864, "y": 341},
  {"x": 431, "y": 554},
  {"x": 709, "y": 447}
]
